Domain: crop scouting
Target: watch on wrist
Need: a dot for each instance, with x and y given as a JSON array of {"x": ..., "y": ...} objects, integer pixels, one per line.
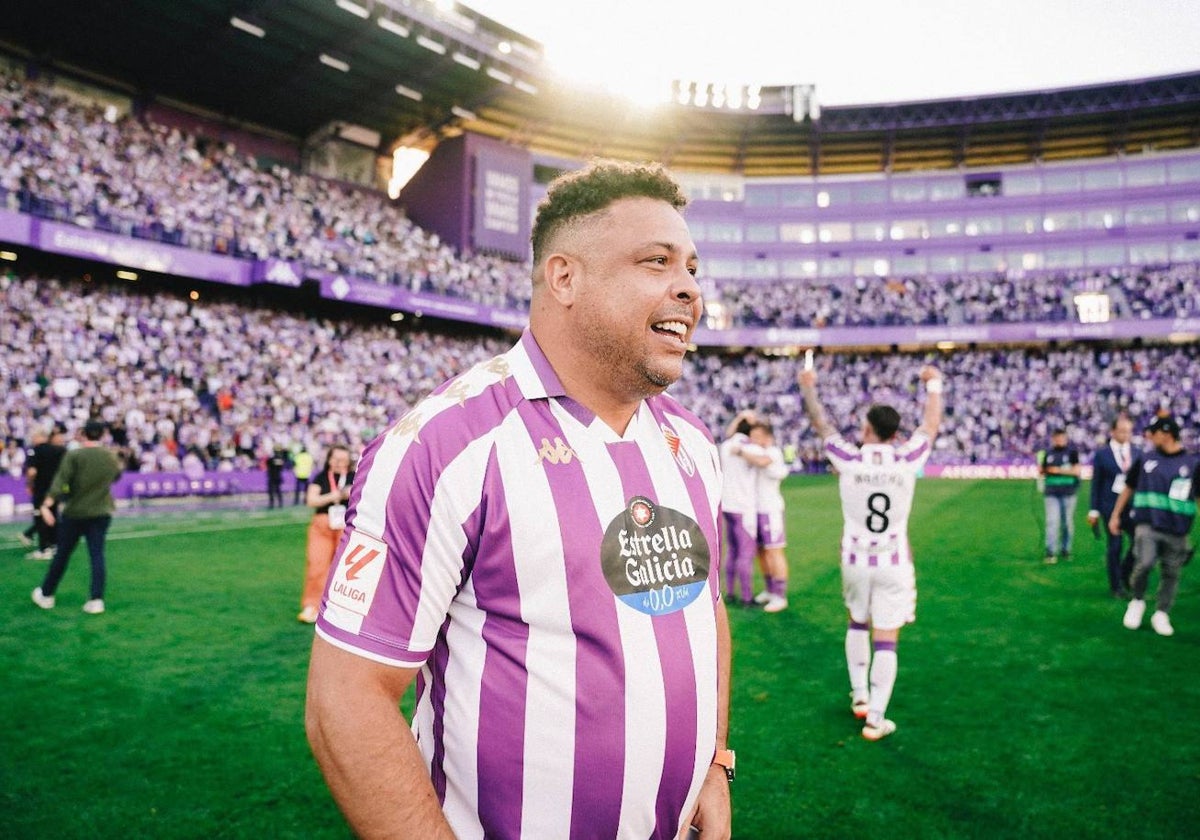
[{"x": 726, "y": 759}]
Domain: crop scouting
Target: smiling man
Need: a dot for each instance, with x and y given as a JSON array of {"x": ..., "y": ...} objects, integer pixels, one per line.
[{"x": 535, "y": 543}]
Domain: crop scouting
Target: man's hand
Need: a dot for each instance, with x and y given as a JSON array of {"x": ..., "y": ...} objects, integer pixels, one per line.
[
  {"x": 807, "y": 379},
  {"x": 1114, "y": 524},
  {"x": 713, "y": 815},
  {"x": 1092, "y": 518},
  {"x": 929, "y": 372}
]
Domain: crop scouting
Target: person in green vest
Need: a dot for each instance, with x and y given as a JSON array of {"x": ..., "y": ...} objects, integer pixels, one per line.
[
  {"x": 1060, "y": 471},
  {"x": 302, "y": 467}
]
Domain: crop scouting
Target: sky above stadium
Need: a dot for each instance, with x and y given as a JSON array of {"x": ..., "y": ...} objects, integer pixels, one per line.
[{"x": 859, "y": 51}]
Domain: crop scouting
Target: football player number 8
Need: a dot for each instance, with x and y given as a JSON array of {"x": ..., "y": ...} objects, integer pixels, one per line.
[{"x": 878, "y": 504}]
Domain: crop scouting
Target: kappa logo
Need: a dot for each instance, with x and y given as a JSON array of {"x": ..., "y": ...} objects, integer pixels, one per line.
[
  {"x": 499, "y": 366},
  {"x": 1150, "y": 465},
  {"x": 557, "y": 452},
  {"x": 356, "y": 563},
  {"x": 458, "y": 392},
  {"x": 340, "y": 287},
  {"x": 409, "y": 424},
  {"x": 681, "y": 456}
]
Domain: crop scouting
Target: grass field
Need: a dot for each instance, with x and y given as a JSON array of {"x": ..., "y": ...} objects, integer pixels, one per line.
[{"x": 1025, "y": 709}]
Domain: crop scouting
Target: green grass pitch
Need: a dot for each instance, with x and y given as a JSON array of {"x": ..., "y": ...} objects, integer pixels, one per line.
[{"x": 1025, "y": 709}]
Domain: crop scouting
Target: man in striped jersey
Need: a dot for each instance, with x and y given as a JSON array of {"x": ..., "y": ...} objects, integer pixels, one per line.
[
  {"x": 535, "y": 544},
  {"x": 876, "y": 481}
]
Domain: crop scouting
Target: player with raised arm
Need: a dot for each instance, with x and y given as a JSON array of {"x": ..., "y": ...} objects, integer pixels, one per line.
[{"x": 876, "y": 480}]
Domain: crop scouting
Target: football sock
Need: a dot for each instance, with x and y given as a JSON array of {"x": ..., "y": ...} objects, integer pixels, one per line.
[
  {"x": 858, "y": 657},
  {"x": 883, "y": 679}
]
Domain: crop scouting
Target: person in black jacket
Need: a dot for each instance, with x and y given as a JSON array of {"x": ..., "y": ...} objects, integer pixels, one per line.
[{"x": 1109, "y": 466}]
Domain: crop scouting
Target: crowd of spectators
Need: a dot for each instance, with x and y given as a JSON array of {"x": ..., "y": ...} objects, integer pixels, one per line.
[
  {"x": 221, "y": 382},
  {"x": 227, "y": 382},
  {"x": 69, "y": 160}
]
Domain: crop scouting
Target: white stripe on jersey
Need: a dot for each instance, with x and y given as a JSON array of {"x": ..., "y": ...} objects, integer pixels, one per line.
[{"x": 549, "y": 709}]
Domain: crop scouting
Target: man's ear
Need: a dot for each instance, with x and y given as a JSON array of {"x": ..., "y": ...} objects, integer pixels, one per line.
[{"x": 560, "y": 273}]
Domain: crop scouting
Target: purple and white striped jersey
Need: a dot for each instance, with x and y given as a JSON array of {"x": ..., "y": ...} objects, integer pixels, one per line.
[
  {"x": 876, "y": 482},
  {"x": 557, "y": 584}
]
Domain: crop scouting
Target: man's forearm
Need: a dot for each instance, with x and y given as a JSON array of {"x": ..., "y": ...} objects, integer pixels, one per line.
[
  {"x": 368, "y": 754},
  {"x": 816, "y": 412}
]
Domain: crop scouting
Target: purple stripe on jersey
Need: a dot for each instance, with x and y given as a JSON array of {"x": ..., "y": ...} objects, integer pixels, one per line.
[
  {"x": 873, "y": 560},
  {"x": 599, "y": 770},
  {"x": 504, "y": 681},
  {"x": 884, "y": 645},
  {"x": 436, "y": 668},
  {"x": 679, "y": 674},
  {"x": 917, "y": 451},
  {"x": 844, "y": 454}
]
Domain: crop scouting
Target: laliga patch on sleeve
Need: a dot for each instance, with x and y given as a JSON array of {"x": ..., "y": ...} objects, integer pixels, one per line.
[{"x": 355, "y": 579}]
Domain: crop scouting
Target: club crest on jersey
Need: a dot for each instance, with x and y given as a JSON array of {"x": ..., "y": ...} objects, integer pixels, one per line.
[
  {"x": 655, "y": 559},
  {"x": 681, "y": 456}
]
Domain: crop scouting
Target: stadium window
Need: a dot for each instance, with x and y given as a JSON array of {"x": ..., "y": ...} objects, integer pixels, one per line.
[
  {"x": 835, "y": 232},
  {"x": 1183, "y": 171},
  {"x": 1023, "y": 260},
  {"x": 983, "y": 225},
  {"x": 836, "y": 267},
  {"x": 1149, "y": 253},
  {"x": 718, "y": 269},
  {"x": 984, "y": 185},
  {"x": 1063, "y": 258},
  {"x": 1102, "y": 178},
  {"x": 798, "y": 269},
  {"x": 1188, "y": 251},
  {"x": 1062, "y": 182},
  {"x": 871, "y": 193},
  {"x": 1183, "y": 212},
  {"x": 903, "y": 229},
  {"x": 990, "y": 261},
  {"x": 796, "y": 232},
  {"x": 762, "y": 233},
  {"x": 1104, "y": 256},
  {"x": 909, "y": 266},
  {"x": 909, "y": 190},
  {"x": 946, "y": 263},
  {"x": 870, "y": 231},
  {"x": 947, "y": 190},
  {"x": 1061, "y": 220},
  {"x": 762, "y": 196},
  {"x": 760, "y": 269},
  {"x": 1145, "y": 175},
  {"x": 1022, "y": 183},
  {"x": 1145, "y": 214},
  {"x": 1102, "y": 218},
  {"x": 1027, "y": 223},
  {"x": 945, "y": 227},
  {"x": 725, "y": 232},
  {"x": 796, "y": 196}
]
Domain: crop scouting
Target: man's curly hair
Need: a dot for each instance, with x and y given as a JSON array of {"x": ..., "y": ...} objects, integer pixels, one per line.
[{"x": 595, "y": 187}]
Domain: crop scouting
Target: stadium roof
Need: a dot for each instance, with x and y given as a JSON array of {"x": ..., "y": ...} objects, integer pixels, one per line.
[{"x": 322, "y": 62}]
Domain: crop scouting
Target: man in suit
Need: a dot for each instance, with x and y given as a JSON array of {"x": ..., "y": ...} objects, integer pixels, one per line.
[{"x": 1108, "y": 480}]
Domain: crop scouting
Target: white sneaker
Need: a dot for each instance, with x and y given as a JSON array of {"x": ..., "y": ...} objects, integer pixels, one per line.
[
  {"x": 46, "y": 602},
  {"x": 308, "y": 615},
  {"x": 94, "y": 606},
  {"x": 763, "y": 597},
  {"x": 1161, "y": 622},
  {"x": 1134, "y": 613},
  {"x": 879, "y": 729},
  {"x": 858, "y": 705},
  {"x": 775, "y": 603},
  {"x": 25, "y": 538}
]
